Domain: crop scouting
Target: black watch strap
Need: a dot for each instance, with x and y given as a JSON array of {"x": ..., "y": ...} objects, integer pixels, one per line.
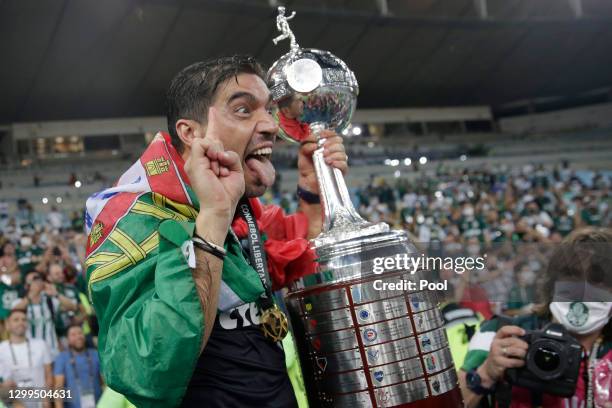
[
  {"x": 473, "y": 381},
  {"x": 309, "y": 197}
]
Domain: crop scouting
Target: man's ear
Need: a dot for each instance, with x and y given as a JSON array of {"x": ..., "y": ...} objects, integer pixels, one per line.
[{"x": 187, "y": 130}]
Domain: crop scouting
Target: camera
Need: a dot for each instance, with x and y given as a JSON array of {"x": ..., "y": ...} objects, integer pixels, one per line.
[{"x": 552, "y": 362}]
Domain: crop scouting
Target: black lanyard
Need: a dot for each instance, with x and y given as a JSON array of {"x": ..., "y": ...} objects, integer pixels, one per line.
[
  {"x": 89, "y": 367},
  {"x": 256, "y": 253},
  {"x": 15, "y": 357}
]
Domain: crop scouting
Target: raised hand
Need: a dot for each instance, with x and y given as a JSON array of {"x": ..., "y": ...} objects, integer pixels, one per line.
[
  {"x": 333, "y": 152},
  {"x": 507, "y": 351},
  {"x": 215, "y": 174},
  {"x": 50, "y": 289}
]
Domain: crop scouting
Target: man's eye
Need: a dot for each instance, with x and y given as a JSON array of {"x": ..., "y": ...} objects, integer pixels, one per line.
[{"x": 242, "y": 110}]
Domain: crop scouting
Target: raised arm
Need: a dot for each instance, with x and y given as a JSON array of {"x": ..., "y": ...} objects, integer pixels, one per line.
[
  {"x": 156, "y": 315},
  {"x": 217, "y": 179}
]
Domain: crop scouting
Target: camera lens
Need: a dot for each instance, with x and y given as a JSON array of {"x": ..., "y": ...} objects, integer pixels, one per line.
[{"x": 546, "y": 359}]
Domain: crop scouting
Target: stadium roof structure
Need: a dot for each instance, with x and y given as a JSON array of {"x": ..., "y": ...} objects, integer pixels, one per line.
[{"x": 71, "y": 59}]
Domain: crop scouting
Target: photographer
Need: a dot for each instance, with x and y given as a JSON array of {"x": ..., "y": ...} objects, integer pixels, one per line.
[{"x": 575, "y": 277}]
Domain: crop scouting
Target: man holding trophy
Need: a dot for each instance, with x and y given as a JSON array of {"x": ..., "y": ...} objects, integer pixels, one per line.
[
  {"x": 183, "y": 259},
  {"x": 189, "y": 328}
]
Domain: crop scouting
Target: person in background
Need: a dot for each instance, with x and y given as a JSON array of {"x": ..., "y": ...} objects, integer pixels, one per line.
[
  {"x": 25, "y": 362},
  {"x": 56, "y": 252},
  {"x": 42, "y": 304},
  {"x": 64, "y": 319},
  {"x": 8, "y": 260},
  {"x": 78, "y": 369},
  {"x": 523, "y": 293},
  {"x": 10, "y": 289},
  {"x": 576, "y": 293},
  {"x": 55, "y": 218},
  {"x": 28, "y": 254},
  {"x": 290, "y": 111}
]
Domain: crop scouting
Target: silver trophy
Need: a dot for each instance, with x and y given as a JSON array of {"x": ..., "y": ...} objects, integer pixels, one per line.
[{"x": 359, "y": 345}]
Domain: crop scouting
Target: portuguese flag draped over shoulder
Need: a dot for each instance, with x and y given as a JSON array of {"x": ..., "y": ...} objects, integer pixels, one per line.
[{"x": 149, "y": 312}]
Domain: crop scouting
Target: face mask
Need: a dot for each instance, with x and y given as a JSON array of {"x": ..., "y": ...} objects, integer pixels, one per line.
[{"x": 581, "y": 317}]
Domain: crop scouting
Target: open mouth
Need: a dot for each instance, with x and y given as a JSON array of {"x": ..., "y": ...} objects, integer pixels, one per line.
[
  {"x": 261, "y": 154},
  {"x": 259, "y": 163}
]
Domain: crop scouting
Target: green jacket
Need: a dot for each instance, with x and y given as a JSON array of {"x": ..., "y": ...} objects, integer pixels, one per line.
[{"x": 140, "y": 284}]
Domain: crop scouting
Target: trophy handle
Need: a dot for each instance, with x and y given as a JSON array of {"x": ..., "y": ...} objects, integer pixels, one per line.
[{"x": 338, "y": 210}]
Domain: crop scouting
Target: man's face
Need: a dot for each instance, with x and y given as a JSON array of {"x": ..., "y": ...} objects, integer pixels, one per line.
[
  {"x": 9, "y": 249},
  {"x": 35, "y": 283},
  {"x": 248, "y": 128},
  {"x": 295, "y": 108},
  {"x": 76, "y": 338},
  {"x": 17, "y": 324},
  {"x": 532, "y": 208},
  {"x": 56, "y": 273}
]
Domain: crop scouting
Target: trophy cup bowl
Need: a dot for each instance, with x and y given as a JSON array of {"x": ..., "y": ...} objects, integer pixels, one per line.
[
  {"x": 359, "y": 346},
  {"x": 325, "y": 88},
  {"x": 315, "y": 90}
]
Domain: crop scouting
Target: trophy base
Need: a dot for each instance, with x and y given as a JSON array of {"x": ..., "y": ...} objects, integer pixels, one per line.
[{"x": 363, "y": 348}]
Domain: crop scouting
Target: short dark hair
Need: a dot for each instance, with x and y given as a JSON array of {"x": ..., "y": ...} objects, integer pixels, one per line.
[
  {"x": 192, "y": 90},
  {"x": 40, "y": 275},
  {"x": 73, "y": 325},
  {"x": 286, "y": 102}
]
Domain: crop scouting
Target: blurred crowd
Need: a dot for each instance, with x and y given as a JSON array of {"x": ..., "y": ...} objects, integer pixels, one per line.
[
  {"x": 48, "y": 330},
  {"x": 514, "y": 216}
]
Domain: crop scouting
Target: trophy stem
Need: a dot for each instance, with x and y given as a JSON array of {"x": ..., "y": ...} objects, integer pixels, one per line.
[{"x": 340, "y": 219}]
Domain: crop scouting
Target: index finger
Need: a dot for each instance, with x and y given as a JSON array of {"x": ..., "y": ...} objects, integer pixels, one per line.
[
  {"x": 508, "y": 331},
  {"x": 212, "y": 125}
]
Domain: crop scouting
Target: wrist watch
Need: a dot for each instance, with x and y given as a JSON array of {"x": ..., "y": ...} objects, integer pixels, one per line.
[
  {"x": 309, "y": 197},
  {"x": 473, "y": 381}
]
